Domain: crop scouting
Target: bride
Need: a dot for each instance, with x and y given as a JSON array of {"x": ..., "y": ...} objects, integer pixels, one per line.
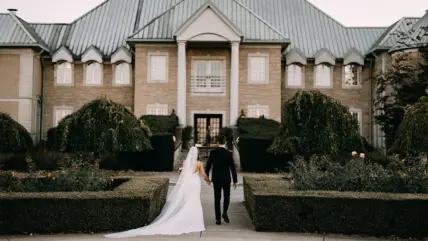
[{"x": 182, "y": 212}]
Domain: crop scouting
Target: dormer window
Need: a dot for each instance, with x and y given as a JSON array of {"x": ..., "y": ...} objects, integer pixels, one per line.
[
  {"x": 323, "y": 76},
  {"x": 93, "y": 73},
  {"x": 352, "y": 75},
  {"x": 64, "y": 73},
  {"x": 122, "y": 73}
]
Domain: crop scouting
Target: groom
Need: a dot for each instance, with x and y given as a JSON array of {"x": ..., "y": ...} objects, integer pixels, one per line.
[{"x": 221, "y": 160}]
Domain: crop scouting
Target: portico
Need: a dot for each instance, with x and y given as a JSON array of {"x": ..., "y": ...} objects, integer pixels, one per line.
[{"x": 220, "y": 31}]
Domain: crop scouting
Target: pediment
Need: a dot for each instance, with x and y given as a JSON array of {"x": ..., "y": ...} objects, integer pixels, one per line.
[
  {"x": 92, "y": 54},
  {"x": 220, "y": 27},
  {"x": 295, "y": 56},
  {"x": 353, "y": 56},
  {"x": 121, "y": 54},
  {"x": 62, "y": 54},
  {"x": 324, "y": 56}
]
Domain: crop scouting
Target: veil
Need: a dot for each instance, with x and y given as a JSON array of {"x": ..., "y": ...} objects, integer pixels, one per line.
[{"x": 174, "y": 203}]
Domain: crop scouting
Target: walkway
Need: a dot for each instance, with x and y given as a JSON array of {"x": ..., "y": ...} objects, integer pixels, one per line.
[{"x": 239, "y": 228}]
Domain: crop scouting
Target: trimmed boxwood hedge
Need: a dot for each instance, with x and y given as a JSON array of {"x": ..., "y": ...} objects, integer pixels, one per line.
[
  {"x": 133, "y": 204},
  {"x": 274, "y": 207}
]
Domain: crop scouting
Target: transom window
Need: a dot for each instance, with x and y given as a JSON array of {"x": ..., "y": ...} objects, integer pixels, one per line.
[
  {"x": 60, "y": 113},
  {"x": 122, "y": 74},
  {"x": 94, "y": 74},
  {"x": 64, "y": 74},
  {"x": 352, "y": 75},
  {"x": 208, "y": 76},
  {"x": 258, "y": 67},
  {"x": 157, "y": 109},
  {"x": 158, "y": 66},
  {"x": 256, "y": 111},
  {"x": 295, "y": 76},
  {"x": 323, "y": 75}
]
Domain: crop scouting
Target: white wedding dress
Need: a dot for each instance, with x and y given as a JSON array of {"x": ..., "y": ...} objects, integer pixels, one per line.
[{"x": 182, "y": 212}]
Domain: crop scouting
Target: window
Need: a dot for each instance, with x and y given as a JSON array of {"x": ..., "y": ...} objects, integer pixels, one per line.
[
  {"x": 157, "y": 109},
  {"x": 158, "y": 66},
  {"x": 352, "y": 75},
  {"x": 64, "y": 74},
  {"x": 323, "y": 75},
  {"x": 258, "y": 69},
  {"x": 93, "y": 74},
  {"x": 357, "y": 113},
  {"x": 295, "y": 76},
  {"x": 122, "y": 74},
  {"x": 208, "y": 76},
  {"x": 256, "y": 111},
  {"x": 60, "y": 113}
]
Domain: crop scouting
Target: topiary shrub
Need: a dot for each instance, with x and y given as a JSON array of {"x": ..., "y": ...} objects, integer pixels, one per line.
[
  {"x": 412, "y": 134},
  {"x": 13, "y": 136},
  {"x": 161, "y": 124},
  {"x": 314, "y": 123},
  {"x": 102, "y": 126}
]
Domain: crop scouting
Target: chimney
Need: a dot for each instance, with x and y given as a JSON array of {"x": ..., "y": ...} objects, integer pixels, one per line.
[{"x": 12, "y": 10}]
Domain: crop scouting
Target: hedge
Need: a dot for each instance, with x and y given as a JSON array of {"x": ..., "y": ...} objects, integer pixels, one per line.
[
  {"x": 160, "y": 124},
  {"x": 160, "y": 159},
  {"x": 274, "y": 207},
  {"x": 256, "y": 135},
  {"x": 133, "y": 204}
]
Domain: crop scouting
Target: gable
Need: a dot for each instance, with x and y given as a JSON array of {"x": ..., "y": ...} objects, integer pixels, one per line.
[{"x": 195, "y": 29}]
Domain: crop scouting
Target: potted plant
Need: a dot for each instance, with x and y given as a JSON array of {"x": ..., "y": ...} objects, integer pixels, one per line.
[{"x": 186, "y": 136}]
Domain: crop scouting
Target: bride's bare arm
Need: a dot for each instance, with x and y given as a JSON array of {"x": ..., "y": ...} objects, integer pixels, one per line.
[{"x": 202, "y": 170}]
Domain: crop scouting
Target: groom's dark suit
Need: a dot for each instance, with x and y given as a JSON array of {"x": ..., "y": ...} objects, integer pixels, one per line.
[{"x": 221, "y": 161}]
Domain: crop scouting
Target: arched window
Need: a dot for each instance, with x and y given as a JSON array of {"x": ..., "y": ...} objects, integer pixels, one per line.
[
  {"x": 352, "y": 75},
  {"x": 122, "y": 73},
  {"x": 93, "y": 73},
  {"x": 295, "y": 75},
  {"x": 64, "y": 73},
  {"x": 323, "y": 75}
]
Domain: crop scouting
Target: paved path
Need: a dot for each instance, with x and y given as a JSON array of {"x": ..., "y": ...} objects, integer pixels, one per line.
[{"x": 239, "y": 228}]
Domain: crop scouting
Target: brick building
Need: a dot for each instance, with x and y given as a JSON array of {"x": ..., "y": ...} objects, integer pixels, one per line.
[{"x": 207, "y": 60}]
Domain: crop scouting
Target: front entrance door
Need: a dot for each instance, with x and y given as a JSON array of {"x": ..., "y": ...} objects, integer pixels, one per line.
[{"x": 207, "y": 128}]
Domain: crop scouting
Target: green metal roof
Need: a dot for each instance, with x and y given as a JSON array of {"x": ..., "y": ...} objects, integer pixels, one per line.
[
  {"x": 417, "y": 35},
  {"x": 108, "y": 26},
  {"x": 253, "y": 27}
]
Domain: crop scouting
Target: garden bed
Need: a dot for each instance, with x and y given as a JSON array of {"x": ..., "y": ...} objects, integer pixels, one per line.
[
  {"x": 132, "y": 204},
  {"x": 274, "y": 206}
]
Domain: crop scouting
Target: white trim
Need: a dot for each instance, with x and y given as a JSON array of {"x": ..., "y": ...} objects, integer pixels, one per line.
[
  {"x": 295, "y": 56},
  {"x": 208, "y": 58},
  {"x": 267, "y": 67},
  {"x": 92, "y": 54},
  {"x": 121, "y": 54},
  {"x": 56, "y": 75},
  {"x": 331, "y": 77},
  {"x": 303, "y": 79},
  {"x": 59, "y": 107},
  {"x": 209, "y": 112},
  {"x": 149, "y": 65},
  {"x": 359, "y": 77},
  {"x": 62, "y": 54},
  {"x": 157, "y": 106},
  {"x": 258, "y": 107},
  {"x": 324, "y": 56},
  {"x": 84, "y": 74},
  {"x": 359, "y": 112},
  {"x": 114, "y": 82}
]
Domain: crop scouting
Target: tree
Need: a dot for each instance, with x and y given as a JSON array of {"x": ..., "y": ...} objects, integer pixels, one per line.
[
  {"x": 102, "y": 126},
  {"x": 13, "y": 136},
  {"x": 401, "y": 85},
  {"x": 314, "y": 123},
  {"x": 412, "y": 134}
]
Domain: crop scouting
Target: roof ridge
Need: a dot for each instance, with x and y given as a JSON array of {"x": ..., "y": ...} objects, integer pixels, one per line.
[
  {"x": 154, "y": 19},
  {"x": 326, "y": 14},
  {"x": 21, "y": 26},
  {"x": 392, "y": 30},
  {"x": 49, "y": 23},
  {"x": 367, "y": 27},
  {"x": 90, "y": 11},
  {"x": 261, "y": 19}
]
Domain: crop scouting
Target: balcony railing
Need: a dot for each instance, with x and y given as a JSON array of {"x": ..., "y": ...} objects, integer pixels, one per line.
[{"x": 208, "y": 84}]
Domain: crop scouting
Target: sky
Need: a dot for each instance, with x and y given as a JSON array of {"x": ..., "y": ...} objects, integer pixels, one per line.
[{"x": 348, "y": 12}]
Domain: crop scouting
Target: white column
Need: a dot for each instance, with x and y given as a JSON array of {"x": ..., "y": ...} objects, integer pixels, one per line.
[
  {"x": 234, "y": 83},
  {"x": 181, "y": 83}
]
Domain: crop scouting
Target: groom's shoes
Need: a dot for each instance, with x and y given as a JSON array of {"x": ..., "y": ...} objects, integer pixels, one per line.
[
  {"x": 226, "y": 218},
  {"x": 218, "y": 222}
]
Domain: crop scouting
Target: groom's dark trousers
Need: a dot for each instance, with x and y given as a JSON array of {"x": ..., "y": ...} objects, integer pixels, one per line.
[{"x": 222, "y": 164}]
